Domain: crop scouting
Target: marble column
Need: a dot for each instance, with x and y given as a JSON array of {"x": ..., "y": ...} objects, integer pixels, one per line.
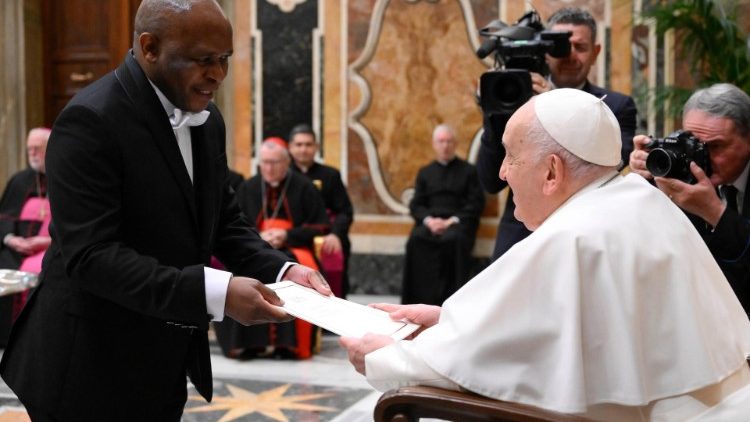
[{"x": 12, "y": 89}]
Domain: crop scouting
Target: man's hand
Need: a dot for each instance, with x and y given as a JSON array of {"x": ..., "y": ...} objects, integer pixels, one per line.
[
  {"x": 539, "y": 83},
  {"x": 437, "y": 225},
  {"x": 275, "y": 237},
  {"x": 331, "y": 244},
  {"x": 699, "y": 199},
  {"x": 357, "y": 348},
  {"x": 28, "y": 245},
  {"x": 39, "y": 243},
  {"x": 639, "y": 155},
  {"x": 307, "y": 277},
  {"x": 424, "y": 315},
  {"x": 250, "y": 302}
]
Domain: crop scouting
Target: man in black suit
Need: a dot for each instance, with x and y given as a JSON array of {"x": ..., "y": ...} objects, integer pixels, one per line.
[
  {"x": 568, "y": 72},
  {"x": 718, "y": 205},
  {"x": 303, "y": 146},
  {"x": 125, "y": 298}
]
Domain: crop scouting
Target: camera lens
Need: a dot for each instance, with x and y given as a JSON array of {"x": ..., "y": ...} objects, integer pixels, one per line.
[
  {"x": 503, "y": 91},
  {"x": 659, "y": 162},
  {"x": 508, "y": 92}
]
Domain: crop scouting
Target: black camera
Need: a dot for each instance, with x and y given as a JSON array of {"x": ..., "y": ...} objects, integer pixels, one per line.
[
  {"x": 519, "y": 49},
  {"x": 671, "y": 156}
]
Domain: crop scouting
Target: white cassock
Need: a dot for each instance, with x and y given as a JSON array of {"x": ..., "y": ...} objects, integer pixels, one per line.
[{"x": 614, "y": 308}]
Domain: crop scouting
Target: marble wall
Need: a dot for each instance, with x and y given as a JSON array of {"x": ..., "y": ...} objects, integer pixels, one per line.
[{"x": 374, "y": 77}]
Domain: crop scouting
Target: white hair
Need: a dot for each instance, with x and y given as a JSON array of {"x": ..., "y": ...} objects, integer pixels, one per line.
[{"x": 443, "y": 127}]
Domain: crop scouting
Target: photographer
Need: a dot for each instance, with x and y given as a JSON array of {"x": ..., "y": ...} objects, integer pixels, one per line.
[
  {"x": 720, "y": 117},
  {"x": 567, "y": 72}
]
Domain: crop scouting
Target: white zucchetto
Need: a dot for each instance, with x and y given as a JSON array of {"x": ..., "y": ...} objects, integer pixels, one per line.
[{"x": 581, "y": 123}]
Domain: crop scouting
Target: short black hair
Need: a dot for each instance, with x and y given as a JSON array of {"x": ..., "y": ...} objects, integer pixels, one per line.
[
  {"x": 575, "y": 16},
  {"x": 302, "y": 128}
]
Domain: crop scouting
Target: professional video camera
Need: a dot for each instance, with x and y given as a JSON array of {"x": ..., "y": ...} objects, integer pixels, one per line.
[
  {"x": 671, "y": 156},
  {"x": 519, "y": 49}
]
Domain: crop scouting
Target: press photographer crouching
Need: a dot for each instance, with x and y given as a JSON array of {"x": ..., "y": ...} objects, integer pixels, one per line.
[{"x": 715, "y": 198}]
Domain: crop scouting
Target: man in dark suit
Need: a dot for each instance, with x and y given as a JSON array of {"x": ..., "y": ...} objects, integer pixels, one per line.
[
  {"x": 718, "y": 205},
  {"x": 303, "y": 146},
  {"x": 139, "y": 206},
  {"x": 567, "y": 72}
]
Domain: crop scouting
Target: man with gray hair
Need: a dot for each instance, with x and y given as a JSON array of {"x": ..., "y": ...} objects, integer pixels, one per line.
[
  {"x": 718, "y": 205},
  {"x": 446, "y": 207},
  {"x": 581, "y": 317},
  {"x": 289, "y": 213}
]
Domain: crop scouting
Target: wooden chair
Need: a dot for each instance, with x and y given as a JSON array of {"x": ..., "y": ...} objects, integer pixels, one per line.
[{"x": 409, "y": 404}]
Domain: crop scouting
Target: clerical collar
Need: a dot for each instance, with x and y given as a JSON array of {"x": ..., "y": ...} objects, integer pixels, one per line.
[
  {"x": 445, "y": 163},
  {"x": 304, "y": 169}
]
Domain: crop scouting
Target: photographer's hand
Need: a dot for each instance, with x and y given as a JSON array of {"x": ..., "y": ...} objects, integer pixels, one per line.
[
  {"x": 539, "y": 83},
  {"x": 699, "y": 199},
  {"x": 638, "y": 156}
]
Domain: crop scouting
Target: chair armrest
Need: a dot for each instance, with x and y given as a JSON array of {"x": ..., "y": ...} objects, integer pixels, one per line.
[{"x": 408, "y": 404}]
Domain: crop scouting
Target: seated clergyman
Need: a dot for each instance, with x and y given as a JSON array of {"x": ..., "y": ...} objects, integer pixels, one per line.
[{"x": 613, "y": 308}]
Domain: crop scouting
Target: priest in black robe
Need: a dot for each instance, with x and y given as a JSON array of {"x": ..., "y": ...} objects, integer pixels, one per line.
[
  {"x": 446, "y": 207},
  {"x": 288, "y": 212},
  {"x": 21, "y": 235},
  {"x": 335, "y": 247}
]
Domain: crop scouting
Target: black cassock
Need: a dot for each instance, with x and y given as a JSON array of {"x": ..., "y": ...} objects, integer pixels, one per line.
[
  {"x": 22, "y": 186},
  {"x": 437, "y": 265},
  {"x": 297, "y": 200},
  {"x": 328, "y": 181}
]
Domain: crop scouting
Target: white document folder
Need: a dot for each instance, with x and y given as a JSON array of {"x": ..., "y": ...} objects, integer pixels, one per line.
[{"x": 340, "y": 316}]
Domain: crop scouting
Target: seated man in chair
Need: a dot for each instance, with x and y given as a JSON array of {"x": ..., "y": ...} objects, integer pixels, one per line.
[
  {"x": 612, "y": 309},
  {"x": 24, "y": 224},
  {"x": 335, "y": 247},
  {"x": 288, "y": 212}
]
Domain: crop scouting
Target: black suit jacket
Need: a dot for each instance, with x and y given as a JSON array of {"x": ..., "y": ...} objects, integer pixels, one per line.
[
  {"x": 491, "y": 154},
  {"x": 729, "y": 243},
  {"x": 120, "y": 315}
]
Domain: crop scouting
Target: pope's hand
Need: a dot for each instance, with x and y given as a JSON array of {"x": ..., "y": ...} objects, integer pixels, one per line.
[
  {"x": 424, "y": 315},
  {"x": 250, "y": 302},
  {"x": 357, "y": 348}
]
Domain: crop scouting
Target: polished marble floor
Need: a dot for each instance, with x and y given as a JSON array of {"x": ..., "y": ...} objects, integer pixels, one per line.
[{"x": 323, "y": 388}]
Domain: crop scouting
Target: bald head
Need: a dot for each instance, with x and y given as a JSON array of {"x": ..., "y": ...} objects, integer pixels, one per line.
[
  {"x": 183, "y": 46},
  {"x": 159, "y": 16}
]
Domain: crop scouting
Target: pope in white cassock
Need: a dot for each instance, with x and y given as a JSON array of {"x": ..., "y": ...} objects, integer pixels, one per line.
[{"x": 612, "y": 309}]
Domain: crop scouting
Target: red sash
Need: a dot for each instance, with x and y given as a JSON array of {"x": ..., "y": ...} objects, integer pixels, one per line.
[
  {"x": 35, "y": 209},
  {"x": 303, "y": 255}
]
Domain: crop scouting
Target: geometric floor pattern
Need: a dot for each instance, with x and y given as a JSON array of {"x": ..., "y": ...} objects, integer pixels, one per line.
[{"x": 322, "y": 388}]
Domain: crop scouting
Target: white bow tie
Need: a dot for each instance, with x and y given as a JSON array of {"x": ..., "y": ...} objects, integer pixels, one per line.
[{"x": 180, "y": 118}]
